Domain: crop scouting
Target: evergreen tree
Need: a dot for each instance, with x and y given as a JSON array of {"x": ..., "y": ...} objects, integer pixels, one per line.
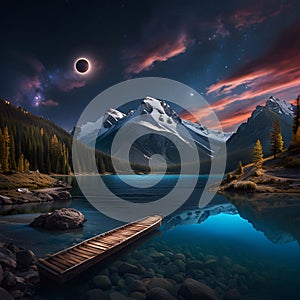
[
  {"x": 296, "y": 139},
  {"x": 20, "y": 167},
  {"x": 26, "y": 166},
  {"x": 297, "y": 116},
  {"x": 258, "y": 154},
  {"x": 296, "y": 125},
  {"x": 4, "y": 149},
  {"x": 276, "y": 139},
  {"x": 240, "y": 169}
]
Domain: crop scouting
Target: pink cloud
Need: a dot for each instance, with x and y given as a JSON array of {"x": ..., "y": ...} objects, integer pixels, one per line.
[
  {"x": 145, "y": 58},
  {"x": 49, "y": 102},
  {"x": 275, "y": 73},
  {"x": 254, "y": 14}
]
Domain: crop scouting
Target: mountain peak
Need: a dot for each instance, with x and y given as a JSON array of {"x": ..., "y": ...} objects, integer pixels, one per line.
[{"x": 280, "y": 106}]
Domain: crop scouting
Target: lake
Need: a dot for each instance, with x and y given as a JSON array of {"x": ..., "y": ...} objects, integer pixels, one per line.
[{"x": 237, "y": 247}]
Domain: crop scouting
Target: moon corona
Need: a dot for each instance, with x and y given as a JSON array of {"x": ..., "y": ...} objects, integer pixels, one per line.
[{"x": 82, "y": 65}]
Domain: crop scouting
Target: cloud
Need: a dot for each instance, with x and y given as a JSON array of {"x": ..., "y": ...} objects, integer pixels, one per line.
[
  {"x": 159, "y": 50},
  {"x": 275, "y": 73},
  {"x": 69, "y": 81},
  {"x": 49, "y": 102},
  {"x": 254, "y": 14}
]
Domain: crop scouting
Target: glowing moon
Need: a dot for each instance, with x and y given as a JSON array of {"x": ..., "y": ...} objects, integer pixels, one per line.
[{"x": 82, "y": 65}]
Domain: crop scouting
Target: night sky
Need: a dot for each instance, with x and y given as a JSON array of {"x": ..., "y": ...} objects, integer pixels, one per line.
[{"x": 235, "y": 53}]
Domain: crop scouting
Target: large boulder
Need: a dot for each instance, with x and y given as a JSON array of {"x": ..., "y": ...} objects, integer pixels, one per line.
[
  {"x": 194, "y": 290},
  {"x": 158, "y": 293},
  {"x": 64, "y": 218},
  {"x": 25, "y": 258}
]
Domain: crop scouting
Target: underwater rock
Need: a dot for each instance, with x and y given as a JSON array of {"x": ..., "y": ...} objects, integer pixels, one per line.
[
  {"x": 101, "y": 282},
  {"x": 158, "y": 293},
  {"x": 137, "y": 286},
  {"x": 194, "y": 290},
  {"x": 128, "y": 268},
  {"x": 232, "y": 294},
  {"x": 161, "y": 283},
  {"x": 95, "y": 294},
  {"x": 62, "y": 219}
]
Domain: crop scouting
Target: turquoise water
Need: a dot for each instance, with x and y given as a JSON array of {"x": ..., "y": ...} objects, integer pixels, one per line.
[{"x": 250, "y": 249}]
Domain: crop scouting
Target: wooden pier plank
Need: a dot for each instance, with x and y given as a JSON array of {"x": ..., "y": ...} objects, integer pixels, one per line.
[{"x": 68, "y": 263}]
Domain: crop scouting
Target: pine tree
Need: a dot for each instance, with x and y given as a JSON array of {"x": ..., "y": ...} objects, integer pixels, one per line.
[
  {"x": 240, "y": 169},
  {"x": 4, "y": 149},
  {"x": 297, "y": 116},
  {"x": 276, "y": 139},
  {"x": 258, "y": 154},
  {"x": 296, "y": 125},
  {"x": 21, "y": 163},
  {"x": 26, "y": 166}
]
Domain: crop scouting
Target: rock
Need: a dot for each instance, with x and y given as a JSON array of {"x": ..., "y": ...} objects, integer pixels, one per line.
[
  {"x": 171, "y": 270},
  {"x": 44, "y": 196},
  {"x": 138, "y": 296},
  {"x": 60, "y": 195},
  {"x": 239, "y": 269},
  {"x": 180, "y": 264},
  {"x": 4, "y": 200},
  {"x": 194, "y": 264},
  {"x": 232, "y": 294},
  {"x": 16, "y": 294},
  {"x": 194, "y": 290},
  {"x": 9, "y": 279},
  {"x": 64, "y": 218},
  {"x": 157, "y": 256},
  {"x": 161, "y": 283},
  {"x": 13, "y": 248},
  {"x": 158, "y": 293},
  {"x": 101, "y": 282},
  {"x": 64, "y": 195},
  {"x": 7, "y": 262},
  {"x": 5, "y": 295},
  {"x": 137, "y": 286},
  {"x": 31, "y": 276},
  {"x": 95, "y": 294},
  {"x": 1, "y": 274},
  {"x": 116, "y": 296},
  {"x": 128, "y": 268},
  {"x": 25, "y": 258},
  {"x": 180, "y": 256}
]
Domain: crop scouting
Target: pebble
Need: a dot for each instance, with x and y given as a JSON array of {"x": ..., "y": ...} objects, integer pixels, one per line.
[{"x": 101, "y": 282}]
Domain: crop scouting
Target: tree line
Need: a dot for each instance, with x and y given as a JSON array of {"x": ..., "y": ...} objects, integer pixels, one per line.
[{"x": 28, "y": 142}]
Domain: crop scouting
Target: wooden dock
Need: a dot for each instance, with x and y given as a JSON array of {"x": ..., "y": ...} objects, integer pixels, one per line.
[{"x": 68, "y": 263}]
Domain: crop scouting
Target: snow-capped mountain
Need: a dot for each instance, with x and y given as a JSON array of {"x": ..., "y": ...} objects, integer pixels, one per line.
[
  {"x": 258, "y": 126},
  {"x": 198, "y": 216},
  {"x": 157, "y": 118}
]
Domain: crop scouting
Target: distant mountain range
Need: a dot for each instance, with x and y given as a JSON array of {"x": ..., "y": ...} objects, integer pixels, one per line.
[
  {"x": 157, "y": 116},
  {"x": 258, "y": 126}
]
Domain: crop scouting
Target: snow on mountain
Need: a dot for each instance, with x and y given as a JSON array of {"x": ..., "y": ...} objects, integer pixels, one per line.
[
  {"x": 280, "y": 106},
  {"x": 161, "y": 117},
  {"x": 198, "y": 216},
  {"x": 202, "y": 130}
]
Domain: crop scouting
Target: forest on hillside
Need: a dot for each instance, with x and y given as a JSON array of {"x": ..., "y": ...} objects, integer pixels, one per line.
[{"x": 29, "y": 142}]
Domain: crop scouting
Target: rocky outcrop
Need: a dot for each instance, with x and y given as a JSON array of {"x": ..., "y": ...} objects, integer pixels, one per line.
[
  {"x": 61, "y": 219},
  {"x": 18, "y": 273}
]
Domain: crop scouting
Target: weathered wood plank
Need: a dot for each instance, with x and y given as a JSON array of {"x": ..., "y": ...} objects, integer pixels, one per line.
[{"x": 68, "y": 263}]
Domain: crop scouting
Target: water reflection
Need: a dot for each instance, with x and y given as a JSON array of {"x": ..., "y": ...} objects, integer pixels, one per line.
[{"x": 277, "y": 216}]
